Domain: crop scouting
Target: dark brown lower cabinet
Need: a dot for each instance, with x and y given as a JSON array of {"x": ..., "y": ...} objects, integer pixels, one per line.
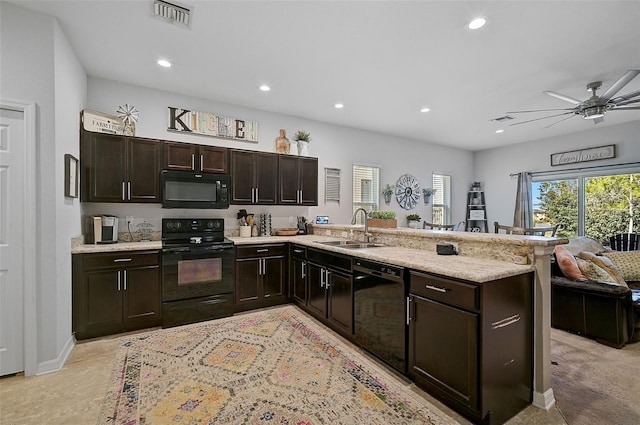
[
  {"x": 261, "y": 275},
  {"x": 330, "y": 290},
  {"x": 115, "y": 292},
  {"x": 470, "y": 344},
  {"x": 298, "y": 274}
]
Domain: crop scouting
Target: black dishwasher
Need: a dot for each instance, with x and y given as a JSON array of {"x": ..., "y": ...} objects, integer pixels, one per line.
[{"x": 380, "y": 311}]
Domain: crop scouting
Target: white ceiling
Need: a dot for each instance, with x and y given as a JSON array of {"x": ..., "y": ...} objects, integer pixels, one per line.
[{"x": 384, "y": 60}]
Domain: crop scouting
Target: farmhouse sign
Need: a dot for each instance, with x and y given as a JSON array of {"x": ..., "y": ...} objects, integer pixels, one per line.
[
  {"x": 212, "y": 125},
  {"x": 583, "y": 155},
  {"x": 99, "y": 122}
]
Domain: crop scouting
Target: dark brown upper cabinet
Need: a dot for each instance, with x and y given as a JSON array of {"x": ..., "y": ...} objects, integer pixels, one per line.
[
  {"x": 298, "y": 180},
  {"x": 119, "y": 169},
  {"x": 191, "y": 157},
  {"x": 253, "y": 177}
]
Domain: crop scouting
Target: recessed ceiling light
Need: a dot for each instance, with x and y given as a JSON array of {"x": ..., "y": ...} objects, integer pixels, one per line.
[
  {"x": 265, "y": 87},
  {"x": 477, "y": 23},
  {"x": 338, "y": 106},
  {"x": 425, "y": 110},
  {"x": 164, "y": 63},
  {"x": 500, "y": 131}
]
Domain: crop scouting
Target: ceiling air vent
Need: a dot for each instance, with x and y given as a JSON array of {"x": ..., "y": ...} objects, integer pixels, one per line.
[
  {"x": 503, "y": 118},
  {"x": 173, "y": 12}
]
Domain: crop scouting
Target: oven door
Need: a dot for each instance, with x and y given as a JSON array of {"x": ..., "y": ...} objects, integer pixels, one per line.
[{"x": 193, "y": 272}]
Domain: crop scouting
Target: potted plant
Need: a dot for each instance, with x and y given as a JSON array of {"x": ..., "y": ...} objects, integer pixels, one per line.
[
  {"x": 302, "y": 138},
  {"x": 387, "y": 192},
  {"x": 413, "y": 220},
  {"x": 427, "y": 192},
  {"x": 385, "y": 219}
]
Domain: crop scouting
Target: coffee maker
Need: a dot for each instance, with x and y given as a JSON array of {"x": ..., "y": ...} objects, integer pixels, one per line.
[{"x": 101, "y": 229}]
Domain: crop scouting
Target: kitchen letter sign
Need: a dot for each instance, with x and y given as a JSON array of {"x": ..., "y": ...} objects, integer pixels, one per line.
[
  {"x": 584, "y": 155},
  {"x": 207, "y": 124}
]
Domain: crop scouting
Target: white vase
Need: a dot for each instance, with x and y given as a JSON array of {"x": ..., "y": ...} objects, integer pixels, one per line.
[
  {"x": 294, "y": 148},
  {"x": 303, "y": 148},
  {"x": 414, "y": 224}
]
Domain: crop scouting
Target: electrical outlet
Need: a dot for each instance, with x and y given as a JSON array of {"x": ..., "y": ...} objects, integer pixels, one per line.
[
  {"x": 455, "y": 245},
  {"x": 129, "y": 219}
]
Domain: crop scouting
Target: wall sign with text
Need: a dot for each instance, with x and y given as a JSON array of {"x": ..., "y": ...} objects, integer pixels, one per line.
[
  {"x": 212, "y": 125},
  {"x": 583, "y": 155}
]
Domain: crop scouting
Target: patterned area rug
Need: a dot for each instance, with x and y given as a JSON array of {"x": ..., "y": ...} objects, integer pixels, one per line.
[{"x": 270, "y": 367}]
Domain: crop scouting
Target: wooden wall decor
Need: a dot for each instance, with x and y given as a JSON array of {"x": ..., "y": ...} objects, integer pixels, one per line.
[{"x": 212, "y": 125}]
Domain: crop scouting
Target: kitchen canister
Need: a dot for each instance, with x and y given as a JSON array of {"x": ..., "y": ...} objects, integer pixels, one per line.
[{"x": 245, "y": 231}]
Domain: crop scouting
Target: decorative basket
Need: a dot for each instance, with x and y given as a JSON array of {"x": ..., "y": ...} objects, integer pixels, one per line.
[{"x": 388, "y": 223}]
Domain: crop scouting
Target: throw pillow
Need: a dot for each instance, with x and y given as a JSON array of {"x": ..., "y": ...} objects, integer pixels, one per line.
[
  {"x": 567, "y": 263},
  {"x": 584, "y": 243},
  {"x": 605, "y": 264},
  {"x": 594, "y": 272},
  {"x": 628, "y": 262}
]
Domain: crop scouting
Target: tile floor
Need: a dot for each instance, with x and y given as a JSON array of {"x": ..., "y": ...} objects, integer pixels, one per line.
[{"x": 74, "y": 394}]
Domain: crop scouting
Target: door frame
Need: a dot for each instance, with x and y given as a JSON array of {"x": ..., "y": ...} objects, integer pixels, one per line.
[{"x": 29, "y": 321}]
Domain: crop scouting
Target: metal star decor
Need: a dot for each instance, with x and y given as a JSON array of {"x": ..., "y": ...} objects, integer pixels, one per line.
[{"x": 128, "y": 113}]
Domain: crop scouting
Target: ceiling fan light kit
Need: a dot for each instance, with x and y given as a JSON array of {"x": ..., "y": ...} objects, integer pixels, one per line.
[{"x": 596, "y": 106}]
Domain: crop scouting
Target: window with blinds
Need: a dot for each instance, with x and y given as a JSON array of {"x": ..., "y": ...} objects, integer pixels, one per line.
[
  {"x": 366, "y": 188},
  {"x": 441, "y": 199}
]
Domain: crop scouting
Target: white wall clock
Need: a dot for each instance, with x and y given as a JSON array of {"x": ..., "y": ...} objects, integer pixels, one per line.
[{"x": 407, "y": 191}]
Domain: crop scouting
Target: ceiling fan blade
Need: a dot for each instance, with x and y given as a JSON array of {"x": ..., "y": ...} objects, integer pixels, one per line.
[
  {"x": 557, "y": 122},
  {"x": 543, "y": 118},
  {"x": 540, "y": 110},
  {"x": 628, "y": 108},
  {"x": 618, "y": 85},
  {"x": 624, "y": 98},
  {"x": 563, "y": 97}
]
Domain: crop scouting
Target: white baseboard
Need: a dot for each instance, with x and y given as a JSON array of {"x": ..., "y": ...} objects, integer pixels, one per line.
[
  {"x": 57, "y": 363},
  {"x": 544, "y": 400}
]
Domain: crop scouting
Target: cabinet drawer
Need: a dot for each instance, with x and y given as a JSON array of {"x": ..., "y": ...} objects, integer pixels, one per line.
[
  {"x": 449, "y": 291},
  {"x": 299, "y": 252},
  {"x": 335, "y": 261},
  {"x": 260, "y": 251},
  {"x": 120, "y": 259}
]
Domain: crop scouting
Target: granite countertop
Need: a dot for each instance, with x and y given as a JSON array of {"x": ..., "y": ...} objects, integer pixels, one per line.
[
  {"x": 462, "y": 267},
  {"x": 457, "y": 266},
  {"x": 113, "y": 247}
]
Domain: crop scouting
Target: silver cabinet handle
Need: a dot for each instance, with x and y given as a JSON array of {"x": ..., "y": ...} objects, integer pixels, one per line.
[
  {"x": 121, "y": 260},
  {"x": 298, "y": 251},
  {"x": 326, "y": 275},
  {"x": 408, "y": 310},
  {"x": 304, "y": 272},
  {"x": 123, "y": 190},
  {"x": 125, "y": 280},
  {"x": 129, "y": 191},
  {"x": 262, "y": 250},
  {"x": 253, "y": 197},
  {"x": 505, "y": 322},
  {"x": 257, "y": 196},
  {"x": 201, "y": 162},
  {"x": 118, "y": 281},
  {"x": 193, "y": 161},
  {"x": 322, "y": 278},
  {"x": 436, "y": 288}
]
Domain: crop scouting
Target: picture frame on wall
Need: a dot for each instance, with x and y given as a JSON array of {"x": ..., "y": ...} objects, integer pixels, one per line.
[{"x": 70, "y": 176}]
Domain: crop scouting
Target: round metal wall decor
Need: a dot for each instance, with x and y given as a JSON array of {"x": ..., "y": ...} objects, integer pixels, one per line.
[{"x": 407, "y": 191}]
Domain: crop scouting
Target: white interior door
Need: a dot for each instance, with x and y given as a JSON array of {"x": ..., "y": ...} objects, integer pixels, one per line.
[{"x": 12, "y": 221}]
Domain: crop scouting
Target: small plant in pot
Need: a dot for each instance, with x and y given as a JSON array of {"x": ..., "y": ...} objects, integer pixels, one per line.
[
  {"x": 302, "y": 138},
  {"x": 382, "y": 219},
  {"x": 413, "y": 220},
  {"x": 387, "y": 192}
]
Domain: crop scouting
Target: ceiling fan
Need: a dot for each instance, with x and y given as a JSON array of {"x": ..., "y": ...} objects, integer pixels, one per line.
[{"x": 595, "y": 107}]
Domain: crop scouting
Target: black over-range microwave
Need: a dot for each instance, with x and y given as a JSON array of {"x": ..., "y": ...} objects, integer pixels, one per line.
[{"x": 188, "y": 189}]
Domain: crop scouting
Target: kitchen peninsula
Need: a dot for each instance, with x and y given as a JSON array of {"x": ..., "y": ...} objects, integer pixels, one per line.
[{"x": 484, "y": 262}]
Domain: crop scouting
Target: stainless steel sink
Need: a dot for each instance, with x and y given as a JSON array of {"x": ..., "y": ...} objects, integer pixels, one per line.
[{"x": 351, "y": 244}]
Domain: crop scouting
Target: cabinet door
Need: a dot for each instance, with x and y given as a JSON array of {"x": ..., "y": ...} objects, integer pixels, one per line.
[
  {"x": 288, "y": 179},
  {"x": 247, "y": 280},
  {"x": 340, "y": 301},
  {"x": 212, "y": 159},
  {"x": 102, "y": 307},
  {"x": 103, "y": 161},
  {"x": 142, "y": 300},
  {"x": 299, "y": 281},
  {"x": 317, "y": 301},
  {"x": 143, "y": 170},
  {"x": 242, "y": 177},
  {"x": 266, "y": 172},
  {"x": 443, "y": 349},
  {"x": 309, "y": 181},
  {"x": 179, "y": 156},
  {"x": 273, "y": 277}
]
